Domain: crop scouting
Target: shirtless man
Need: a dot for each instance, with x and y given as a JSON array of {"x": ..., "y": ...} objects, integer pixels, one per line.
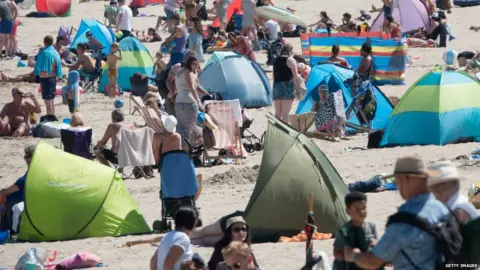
[
  {"x": 365, "y": 67},
  {"x": 105, "y": 155},
  {"x": 84, "y": 60},
  {"x": 17, "y": 113}
]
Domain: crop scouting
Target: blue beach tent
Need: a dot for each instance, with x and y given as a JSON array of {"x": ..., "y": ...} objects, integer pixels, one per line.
[
  {"x": 440, "y": 108},
  {"x": 235, "y": 77},
  {"x": 336, "y": 78},
  {"x": 99, "y": 31}
]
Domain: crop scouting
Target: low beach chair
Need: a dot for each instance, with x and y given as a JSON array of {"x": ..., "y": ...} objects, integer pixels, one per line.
[
  {"x": 153, "y": 119},
  {"x": 135, "y": 150},
  {"x": 227, "y": 136},
  {"x": 138, "y": 104},
  {"x": 77, "y": 142},
  {"x": 110, "y": 15}
]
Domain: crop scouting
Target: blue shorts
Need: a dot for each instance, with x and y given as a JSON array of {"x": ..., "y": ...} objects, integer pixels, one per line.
[
  {"x": 48, "y": 87},
  {"x": 169, "y": 14},
  {"x": 6, "y": 27},
  {"x": 176, "y": 58}
]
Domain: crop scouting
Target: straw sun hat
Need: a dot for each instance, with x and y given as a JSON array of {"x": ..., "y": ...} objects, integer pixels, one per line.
[{"x": 442, "y": 172}]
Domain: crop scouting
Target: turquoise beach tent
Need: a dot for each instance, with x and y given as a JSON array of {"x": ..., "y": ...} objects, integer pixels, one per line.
[
  {"x": 217, "y": 56},
  {"x": 135, "y": 58},
  {"x": 440, "y": 108},
  {"x": 235, "y": 77},
  {"x": 99, "y": 31},
  {"x": 336, "y": 78}
]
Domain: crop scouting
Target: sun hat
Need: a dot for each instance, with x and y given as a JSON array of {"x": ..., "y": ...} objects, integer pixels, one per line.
[
  {"x": 233, "y": 220},
  {"x": 170, "y": 123},
  {"x": 409, "y": 165},
  {"x": 442, "y": 172}
]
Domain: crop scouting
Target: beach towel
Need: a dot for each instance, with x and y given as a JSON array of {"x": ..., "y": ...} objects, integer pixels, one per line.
[
  {"x": 177, "y": 174},
  {"x": 330, "y": 112},
  {"x": 72, "y": 90},
  {"x": 45, "y": 60},
  {"x": 77, "y": 261},
  {"x": 135, "y": 147}
]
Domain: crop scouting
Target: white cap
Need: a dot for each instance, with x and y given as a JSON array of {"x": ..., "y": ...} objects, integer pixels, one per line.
[
  {"x": 441, "y": 172},
  {"x": 169, "y": 123}
]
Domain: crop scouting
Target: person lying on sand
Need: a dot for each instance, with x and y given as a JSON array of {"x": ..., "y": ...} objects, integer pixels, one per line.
[
  {"x": 150, "y": 36},
  {"x": 105, "y": 155},
  {"x": 85, "y": 60},
  {"x": 29, "y": 77},
  {"x": 17, "y": 113},
  {"x": 324, "y": 21}
]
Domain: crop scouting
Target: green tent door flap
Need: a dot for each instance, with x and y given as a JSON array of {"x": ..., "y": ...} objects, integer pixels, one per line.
[
  {"x": 293, "y": 167},
  {"x": 68, "y": 197}
]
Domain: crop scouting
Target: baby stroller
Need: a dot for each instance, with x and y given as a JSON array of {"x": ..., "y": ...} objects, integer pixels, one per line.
[
  {"x": 179, "y": 186},
  {"x": 252, "y": 142}
]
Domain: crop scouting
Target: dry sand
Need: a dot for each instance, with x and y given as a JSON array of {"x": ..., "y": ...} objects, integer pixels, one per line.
[{"x": 224, "y": 193}]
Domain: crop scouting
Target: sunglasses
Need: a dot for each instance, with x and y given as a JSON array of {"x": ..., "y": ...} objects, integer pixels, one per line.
[
  {"x": 239, "y": 229},
  {"x": 234, "y": 266}
]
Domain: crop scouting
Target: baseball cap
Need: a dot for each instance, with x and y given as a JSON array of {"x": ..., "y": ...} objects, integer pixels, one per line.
[{"x": 169, "y": 123}]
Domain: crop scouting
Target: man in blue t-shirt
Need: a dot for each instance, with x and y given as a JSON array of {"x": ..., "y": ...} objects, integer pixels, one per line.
[{"x": 16, "y": 192}]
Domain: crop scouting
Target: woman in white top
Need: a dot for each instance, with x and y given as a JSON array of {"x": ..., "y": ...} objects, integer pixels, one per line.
[
  {"x": 187, "y": 101},
  {"x": 174, "y": 248},
  {"x": 444, "y": 182}
]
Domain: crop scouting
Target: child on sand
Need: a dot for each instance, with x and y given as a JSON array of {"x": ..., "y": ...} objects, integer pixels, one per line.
[
  {"x": 113, "y": 62},
  {"x": 355, "y": 234}
]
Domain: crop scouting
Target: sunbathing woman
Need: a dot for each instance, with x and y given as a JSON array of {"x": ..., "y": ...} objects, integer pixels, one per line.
[
  {"x": 151, "y": 36},
  {"x": 335, "y": 59},
  {"x": 330, "y": 113}
]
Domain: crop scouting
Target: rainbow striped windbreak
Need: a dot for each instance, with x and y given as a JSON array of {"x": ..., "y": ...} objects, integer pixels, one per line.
[
  {"x": 390, "y": 56},
  {"x": 440, "y": 108}
]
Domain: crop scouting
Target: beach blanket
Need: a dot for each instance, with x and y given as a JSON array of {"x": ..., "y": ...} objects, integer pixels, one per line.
[
  {"x": 45, "y": 60},
  {"x": 72, "y": 89},
  {"x": 177, "y": 174}
]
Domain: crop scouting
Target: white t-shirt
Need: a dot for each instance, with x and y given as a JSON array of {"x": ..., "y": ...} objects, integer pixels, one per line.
[
  {"x": 459, "y": 201},
  {"x": 126, "y": 23},
  {"x": 273, "y": 29},
  {"x": 171, "y": 239}
]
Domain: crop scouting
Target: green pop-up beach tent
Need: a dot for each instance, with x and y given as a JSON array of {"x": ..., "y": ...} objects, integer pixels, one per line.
[
  {"x": 292, "y": 168},
  {"x": 68, "y": 197}
]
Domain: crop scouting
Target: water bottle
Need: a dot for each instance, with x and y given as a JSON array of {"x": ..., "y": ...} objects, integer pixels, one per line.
[{"x": 181, "y": 13}]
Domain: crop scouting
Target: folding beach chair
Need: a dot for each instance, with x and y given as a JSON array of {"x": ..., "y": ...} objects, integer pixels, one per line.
[
  {"x": 131, "y": 154},
  {"x": 227, "y": 136},
  {"x": 110, "y": 15},
  {"x": 77, "y": 142},
  {"x": 138, "y": 104},
  {"x": 153, "y": 119}
]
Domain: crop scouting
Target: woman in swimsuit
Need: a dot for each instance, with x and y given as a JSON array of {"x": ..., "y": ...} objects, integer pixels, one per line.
[
  {"x": 335, "y": 59},
  {"x": 392, "y": 27}
]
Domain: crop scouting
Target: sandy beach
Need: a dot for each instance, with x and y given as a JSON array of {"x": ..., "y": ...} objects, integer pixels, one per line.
[{"x": 228, "y": 187}]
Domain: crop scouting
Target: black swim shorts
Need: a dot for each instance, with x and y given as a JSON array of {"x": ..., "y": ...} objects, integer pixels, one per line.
[
  {"x": 223, "y": 220},
  {"x": 49, "y": 87}
]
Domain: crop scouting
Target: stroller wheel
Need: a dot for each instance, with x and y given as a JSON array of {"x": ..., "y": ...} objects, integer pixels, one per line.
[
  {"x": 258, "y": 146},
  {"x": 249, "y": 147},
  {"x": 157, "y": 226}
]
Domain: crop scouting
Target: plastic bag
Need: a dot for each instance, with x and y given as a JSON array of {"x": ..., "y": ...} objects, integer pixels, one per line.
[{"x": 31, "y": 256}]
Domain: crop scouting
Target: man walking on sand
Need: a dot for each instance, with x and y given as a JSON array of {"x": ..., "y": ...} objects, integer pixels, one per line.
[
  {"x": 12, "y": 43},
  {"x": 124, "y": 19},
  {"x": 48, "y": 68}
]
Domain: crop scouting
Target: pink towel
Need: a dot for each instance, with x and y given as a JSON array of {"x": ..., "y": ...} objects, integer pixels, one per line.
[{"x": 77, "y": 261}]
